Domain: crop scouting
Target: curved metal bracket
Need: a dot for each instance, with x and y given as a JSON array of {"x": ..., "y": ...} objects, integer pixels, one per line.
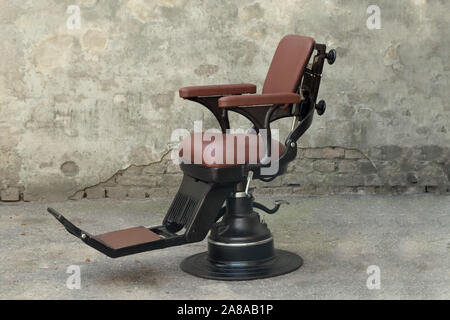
[
  {"x": 212, "y": 104},
  {"x": 262, "y": 207}
]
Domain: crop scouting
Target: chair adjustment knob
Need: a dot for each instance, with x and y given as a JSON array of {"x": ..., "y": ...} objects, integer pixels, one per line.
[
  {"x": 321, "y": 106},
  {"x": 331, "y": 56}
]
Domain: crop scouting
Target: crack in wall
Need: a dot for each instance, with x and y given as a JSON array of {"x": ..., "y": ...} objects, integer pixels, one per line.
[
  {"x": 323, "y": 170},
  {"x": 164, "y": 154}
]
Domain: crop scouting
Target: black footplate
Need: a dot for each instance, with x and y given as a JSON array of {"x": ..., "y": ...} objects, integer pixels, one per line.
[
  {"x": 194, "y": 210},
  {"x": 124, "y": 242}
]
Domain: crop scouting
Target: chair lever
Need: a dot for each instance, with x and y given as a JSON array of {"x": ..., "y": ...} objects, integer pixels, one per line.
[
  {"x": 262, "y": 207},
  {"x": 249, "y": 179}
]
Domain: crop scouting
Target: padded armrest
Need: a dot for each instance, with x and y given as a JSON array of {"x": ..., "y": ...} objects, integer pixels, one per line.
[
  {"x": 259, "y": 99},
  {"x": 217, "y": 90}
]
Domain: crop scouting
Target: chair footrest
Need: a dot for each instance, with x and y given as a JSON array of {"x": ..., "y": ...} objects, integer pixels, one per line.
[
  {"x": 127, "y": 237},
  {"x": 189, "y": 219},
  {"x": 124, "y": 242}
]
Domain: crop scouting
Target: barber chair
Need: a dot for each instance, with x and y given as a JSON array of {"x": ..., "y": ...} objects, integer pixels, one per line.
[{"x": 214, "y": 196}]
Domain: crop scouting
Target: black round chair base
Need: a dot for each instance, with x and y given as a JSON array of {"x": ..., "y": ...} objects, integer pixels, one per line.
[{"x": 283, "y": 262}]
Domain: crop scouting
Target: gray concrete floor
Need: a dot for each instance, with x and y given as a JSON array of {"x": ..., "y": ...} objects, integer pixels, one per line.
[{"x": 407, "y": 237}]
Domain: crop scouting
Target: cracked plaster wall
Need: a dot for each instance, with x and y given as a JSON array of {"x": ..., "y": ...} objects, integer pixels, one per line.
[{"x": 78, "y": 107}]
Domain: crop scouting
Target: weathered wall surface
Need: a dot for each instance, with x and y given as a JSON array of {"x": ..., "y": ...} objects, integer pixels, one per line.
[{"x": 89, "y": 112}]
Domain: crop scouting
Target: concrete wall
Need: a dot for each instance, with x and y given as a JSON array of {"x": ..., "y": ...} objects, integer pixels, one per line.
[{"x": 89, "y": 112}]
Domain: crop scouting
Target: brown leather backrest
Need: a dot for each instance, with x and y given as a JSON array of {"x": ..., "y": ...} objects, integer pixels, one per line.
[{"x": 290, "y": 59}]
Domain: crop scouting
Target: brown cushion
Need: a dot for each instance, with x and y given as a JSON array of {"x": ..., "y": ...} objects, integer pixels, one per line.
[
  {"x": 127, "y": 237},
  {"x": 259, "y": 99},
  {"x": 208, "y": 151},
  {"x": 217, "y": 90},
  {"x": 288, "y": 64}
]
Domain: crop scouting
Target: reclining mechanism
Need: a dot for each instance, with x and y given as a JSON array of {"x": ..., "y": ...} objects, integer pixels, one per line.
[{"x": 240, "y": 246}]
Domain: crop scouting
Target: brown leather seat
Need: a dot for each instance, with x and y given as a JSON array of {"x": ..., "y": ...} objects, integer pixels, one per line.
[
  {"x": 223, "y": 150},
  {"x": 280, "y": 86}
]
